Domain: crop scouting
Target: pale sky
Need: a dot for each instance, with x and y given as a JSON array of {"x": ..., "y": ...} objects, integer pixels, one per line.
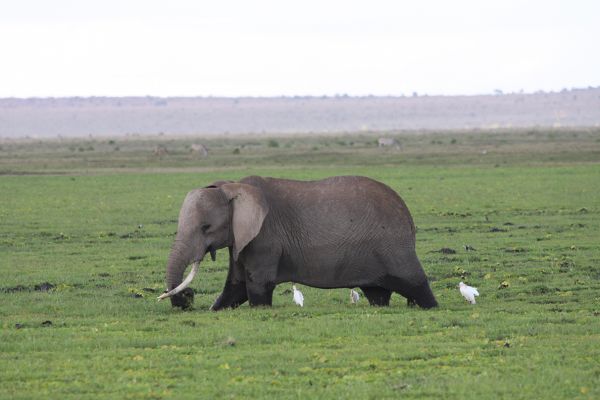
[{"x": 308, "y": 47}]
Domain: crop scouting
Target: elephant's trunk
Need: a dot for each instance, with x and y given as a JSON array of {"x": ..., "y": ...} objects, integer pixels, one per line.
[
  {"x": 180, "y": 257},
  {"x": 186, "y": 282}
]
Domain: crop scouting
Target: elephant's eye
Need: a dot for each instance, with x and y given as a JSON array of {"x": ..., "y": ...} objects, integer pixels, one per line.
[{"x": 205, "y": 227}]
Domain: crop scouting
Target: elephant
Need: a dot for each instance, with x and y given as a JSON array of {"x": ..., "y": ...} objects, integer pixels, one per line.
[{"x": 339, "y": 232}]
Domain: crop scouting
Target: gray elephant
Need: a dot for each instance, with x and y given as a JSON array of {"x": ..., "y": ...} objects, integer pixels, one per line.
[{"x": 339, "y": 232}]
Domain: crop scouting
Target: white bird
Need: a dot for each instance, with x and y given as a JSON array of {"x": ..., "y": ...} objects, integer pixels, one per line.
[
  {"x": 468, "y": 292},
  {"x": 298, "y": 297},
  {"x": 354, "y": 296}
]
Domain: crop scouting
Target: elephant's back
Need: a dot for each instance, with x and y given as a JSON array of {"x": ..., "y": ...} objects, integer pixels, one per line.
[{"x": 339, "y": 208}]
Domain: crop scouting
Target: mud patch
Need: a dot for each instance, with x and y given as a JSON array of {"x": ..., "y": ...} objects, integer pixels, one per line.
[
  {"x": 164, "y": 222},
  {"x": 61, "y": 236},
  {"x": 13, "y": 289},
  {"x": 445, "y": 250},
  {"x": 515, "y": 250},
  {"x": 133, "y": 258},
  {"x": 566, "y": 265},
  {"x": 44, "y": 287},
  {"x": 541, "y": 289}
]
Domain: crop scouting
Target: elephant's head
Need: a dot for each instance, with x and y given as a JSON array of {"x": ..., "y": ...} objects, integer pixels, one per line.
[{"x": 217, "y": 216}]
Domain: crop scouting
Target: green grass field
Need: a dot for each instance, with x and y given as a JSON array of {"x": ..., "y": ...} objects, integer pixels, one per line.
[{"x": 97, "y": 224}]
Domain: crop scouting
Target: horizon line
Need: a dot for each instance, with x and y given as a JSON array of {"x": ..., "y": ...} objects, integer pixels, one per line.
[{"x": 495, "y": 93}]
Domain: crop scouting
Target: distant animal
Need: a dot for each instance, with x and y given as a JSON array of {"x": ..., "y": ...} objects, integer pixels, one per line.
[
  {"x": 354, "y": 296},
  {"x": 199, "y": 149},
  {"x": 339, "y": 232},
  {"x": 388, "y": 142},
  {"x": 160, "y": 151},
  {"x": 298, "y": 296},
  {"x": 468, "y": 292}
]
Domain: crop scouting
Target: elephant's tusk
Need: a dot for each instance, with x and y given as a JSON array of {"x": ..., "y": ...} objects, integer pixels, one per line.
[{"x": 186, "y": 282}]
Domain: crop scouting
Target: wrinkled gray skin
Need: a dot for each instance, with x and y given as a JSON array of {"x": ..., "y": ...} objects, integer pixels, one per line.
[{"x": 340, "y": 232}]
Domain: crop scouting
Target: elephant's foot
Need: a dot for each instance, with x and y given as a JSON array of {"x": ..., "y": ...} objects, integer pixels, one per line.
[
  {"x": 377, "y": 296},
  {"x": 234, "y": 295}
]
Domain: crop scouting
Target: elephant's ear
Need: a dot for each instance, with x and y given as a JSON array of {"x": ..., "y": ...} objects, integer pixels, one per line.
[{"x": 249, "y": 211}]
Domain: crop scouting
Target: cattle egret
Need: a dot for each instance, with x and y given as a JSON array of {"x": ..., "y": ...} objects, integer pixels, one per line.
[
  {"x": 298, "y": 297},
  {"x": 354, "y": 296},
  {"x": 468, "y": 292}
]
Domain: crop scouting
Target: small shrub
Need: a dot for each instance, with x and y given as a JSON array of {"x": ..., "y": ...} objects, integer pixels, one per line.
[
  {"x": 273, "y": 143},
  {"x": 236, "y": 150}
]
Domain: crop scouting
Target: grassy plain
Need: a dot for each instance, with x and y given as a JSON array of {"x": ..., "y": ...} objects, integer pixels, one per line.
[{"x": 96, "y": 222}]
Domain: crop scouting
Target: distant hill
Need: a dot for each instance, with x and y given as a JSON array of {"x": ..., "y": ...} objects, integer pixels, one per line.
[{"x": 114, "y": 116}]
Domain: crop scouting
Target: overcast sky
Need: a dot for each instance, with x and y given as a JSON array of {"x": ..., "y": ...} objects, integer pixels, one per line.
[{"x": 307, "y": 47}]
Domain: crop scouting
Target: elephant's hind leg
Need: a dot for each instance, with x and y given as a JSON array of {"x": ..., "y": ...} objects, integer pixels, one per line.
[{"x": 377, "y": 296}]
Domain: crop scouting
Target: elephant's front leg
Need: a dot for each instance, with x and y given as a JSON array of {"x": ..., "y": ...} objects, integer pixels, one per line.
[
  {"x": 259, "y": 287},
  {"x": 260, "y": 267},
  {"x": 234, "y": 293},
  {"x": 260, "y": 262}
]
